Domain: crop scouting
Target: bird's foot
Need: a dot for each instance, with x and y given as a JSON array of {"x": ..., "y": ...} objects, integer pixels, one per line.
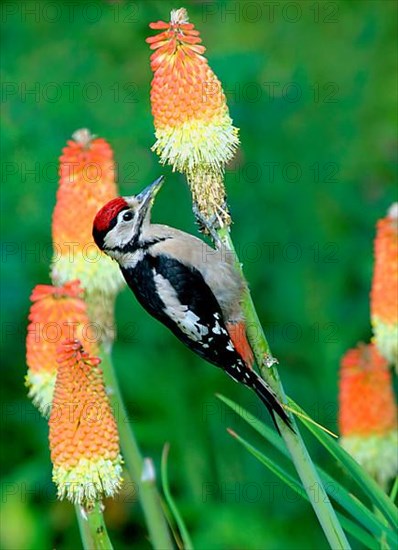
[{"x": 208, "y": 226}]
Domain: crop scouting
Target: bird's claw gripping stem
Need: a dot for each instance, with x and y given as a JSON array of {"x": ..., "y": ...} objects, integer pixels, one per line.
[{"x": 207, "y": 225}]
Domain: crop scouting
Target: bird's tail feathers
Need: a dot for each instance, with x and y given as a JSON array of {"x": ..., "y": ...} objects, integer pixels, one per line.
[{"x": 268, "y": 397}]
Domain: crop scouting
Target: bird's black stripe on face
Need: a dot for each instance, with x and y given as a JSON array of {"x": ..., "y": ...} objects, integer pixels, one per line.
[
  {"x": 147, "y": 244},
  {"x": 135, "y": 245}
]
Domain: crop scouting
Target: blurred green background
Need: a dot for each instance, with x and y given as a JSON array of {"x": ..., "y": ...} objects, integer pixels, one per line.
[{"x": 312, "y": 86}]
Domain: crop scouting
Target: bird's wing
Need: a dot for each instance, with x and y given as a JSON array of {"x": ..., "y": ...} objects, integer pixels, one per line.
[{"x": 178, "y": 296}]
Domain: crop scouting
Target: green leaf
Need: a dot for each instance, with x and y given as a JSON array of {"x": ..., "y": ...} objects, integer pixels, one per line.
[
  {"x": 356, "y": 508},
  {"x": 352, "y": 528},
  {"x": 275, "y": 468},
  {"x": 357, "y": 532},
  {"x": 187, "y": 544},
  {"x": 362, "y": 478},
  {"x": 394, "y": 490},
  {"x": 335, "y": 490},
  {"x": 257, "y": 424}
]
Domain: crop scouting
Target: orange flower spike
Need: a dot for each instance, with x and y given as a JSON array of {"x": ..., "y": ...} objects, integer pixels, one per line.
[
  {"x": 84, "y": 441},
  {"x": 56, "y": 313},
  {"x": 366, "y": 398},
  {"x": 191, "y": 116},
  {"x": 384, "y": 293},
  {"x": 368, "y": 412},
  {"x": 86, "y": 174},
  {"x": 194, "y": 131},
  {"x": 87, "y": 182}
]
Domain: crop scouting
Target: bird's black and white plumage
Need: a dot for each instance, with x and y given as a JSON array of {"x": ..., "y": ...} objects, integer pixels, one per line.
[{"x": 188, "y": 286}]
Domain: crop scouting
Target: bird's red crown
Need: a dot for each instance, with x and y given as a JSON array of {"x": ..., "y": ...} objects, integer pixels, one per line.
[{"x": 108, "y": 213}]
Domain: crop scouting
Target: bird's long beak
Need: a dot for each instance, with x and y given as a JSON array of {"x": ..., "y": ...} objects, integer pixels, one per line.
[
  {"x": 149, "y": 193},
  {"x": 143, "y": 201}
]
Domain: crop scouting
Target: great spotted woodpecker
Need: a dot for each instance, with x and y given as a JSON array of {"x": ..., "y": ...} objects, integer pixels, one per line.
[{"x": 188, "y": 286}]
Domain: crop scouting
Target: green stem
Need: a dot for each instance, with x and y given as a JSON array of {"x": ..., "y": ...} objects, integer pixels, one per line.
[
  {"x": 141, "y": 470},
  {"x": 298, "y": 451},
  {"x": 92, "y": 528},
  {"x": 186, "y": 540}
]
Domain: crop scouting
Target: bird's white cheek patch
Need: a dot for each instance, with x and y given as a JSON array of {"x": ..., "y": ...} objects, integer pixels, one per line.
[{"x": 118, "y": 236}]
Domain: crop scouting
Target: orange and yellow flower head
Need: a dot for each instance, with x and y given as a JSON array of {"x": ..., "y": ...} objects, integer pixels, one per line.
[
  {"x": 194, "y": 131},
  {"x": 87, "y": 182},
  {"x": 368, "y": 412},
  {"x": 57, "y": 313},
  {"x": 84, "y": 440},
  {"x": 384, "y": 293}
]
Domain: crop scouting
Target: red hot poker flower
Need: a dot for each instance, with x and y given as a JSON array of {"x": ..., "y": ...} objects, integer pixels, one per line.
[
  {"x": 368, "y": 412},
  {"x": 84, "y": 440},
  {"x": 384, "y": 293},
  {"x": 57, "y": 313}
]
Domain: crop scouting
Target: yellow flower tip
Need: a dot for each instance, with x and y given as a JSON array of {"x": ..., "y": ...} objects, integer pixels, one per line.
[
  {"x": 41, "y": 389},
  {"x": 193, "y": 128},
  {"x": 84, "y": 441},
  {"x": 87, "y": 182},
  {"x": 377, "y": 454},
  {"x": 384, "y": 292},
  {"x": 368, "y": 412},
  {"x": 57, "y": 313},
  {"x": 97, "y": 272},
  {"x": 89, "y": 480}
]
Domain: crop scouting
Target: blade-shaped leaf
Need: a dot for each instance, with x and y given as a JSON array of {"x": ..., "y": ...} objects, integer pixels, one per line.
[
  {"x": 394, "y": 490},
  {"x": 362, "y": 478},
  {"x": 335, "y": 490},
  {"x": 355, "y": 530},
  {"x": 170, "y": 501}
]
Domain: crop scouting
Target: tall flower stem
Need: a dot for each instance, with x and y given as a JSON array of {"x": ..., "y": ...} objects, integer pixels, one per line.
[
  {"x": 141, "y": 470},
  {"x": 92, "y": 528},
  {"x": 293, "y": 440},
  {"x": 195, "y": 135}
]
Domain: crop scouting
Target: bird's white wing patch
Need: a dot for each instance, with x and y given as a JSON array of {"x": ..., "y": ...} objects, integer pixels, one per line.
[{"x": 187, "y": 321}]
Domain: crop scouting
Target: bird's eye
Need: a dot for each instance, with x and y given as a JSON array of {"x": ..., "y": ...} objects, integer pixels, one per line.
[{"x": 127, "y": 216}]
